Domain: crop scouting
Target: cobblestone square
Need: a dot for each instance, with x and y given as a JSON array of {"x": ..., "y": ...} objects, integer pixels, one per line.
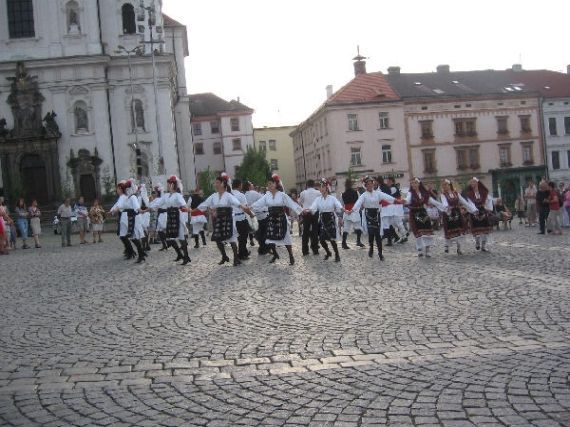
[{"x": 482, "y": 339}]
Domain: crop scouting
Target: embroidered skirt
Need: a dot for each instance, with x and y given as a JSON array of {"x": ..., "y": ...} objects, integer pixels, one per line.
[
  {"x": 453, "y": 224},
  {"x": 327, "y": 226},
  {"x": 420, "y": 222},
  {"x": 480, "y": 223},
  {"x": 172, "y": 223},
  {"x": 277, "y": 223},
  {"x": 223, "y": 225}
]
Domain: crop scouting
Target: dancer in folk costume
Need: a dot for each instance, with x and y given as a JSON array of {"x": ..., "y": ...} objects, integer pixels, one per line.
[
  {"x": 126, "y": 221},
  {"x": 392, "y": 216},
  {"x": 371, "y": 201},
  {"x": 417, "y": 199},
  {"x": 198, "y": 220},
  {"x": 159, "y": 203},
  {"x": 261, "y": 214},
  {"x": 222, "y": 203},
  {"x": 481, "y": 226},
  {"x": 242, "y": 224},
  {"x": 176, "y": 219},
  {"x": 144, "y": 215},
  {"x": 328, "y": 206},
  {"x": 454, "y": 224},
  {"x": 138, "y": 230},
  {"x": 278, "y": 228},
  {"x": 351, "y": 221}
]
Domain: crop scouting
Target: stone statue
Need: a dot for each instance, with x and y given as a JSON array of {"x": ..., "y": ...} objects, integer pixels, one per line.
[
  {"x": 26, "y": 102},
  {"x": 81, "y": 120},
  {"x": 51, "y": 127}
]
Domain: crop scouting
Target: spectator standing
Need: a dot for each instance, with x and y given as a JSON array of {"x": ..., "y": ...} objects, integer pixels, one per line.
[
  {"x": 530, "y": 199},
  {"x": 566, "y": 198},
  {"x": 554, "y": 203},
  {"x": 35, "y": 222},
  {"x": 64, "y": 213},
  {"x": 520, "y": 208},
  {"x": 542, "y": 204},
  {"x": 82, "y": 219},
  {"x": 5, "y": 222},
  {"x": 97, "y": 218},
  {"x": 22, "y": 216}
]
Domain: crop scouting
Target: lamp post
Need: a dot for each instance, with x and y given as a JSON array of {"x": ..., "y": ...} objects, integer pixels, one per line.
[
  {"x": 151, "y": 23},
  {"x": 129, "y": 52}
]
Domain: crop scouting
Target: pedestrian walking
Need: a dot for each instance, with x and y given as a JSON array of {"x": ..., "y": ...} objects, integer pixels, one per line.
[
  {"x": 35, "y": 222},
  {"x": 64, "y": 213},
  {"x": 22, "y": 215},
  {"x": 82, "y": 214}
]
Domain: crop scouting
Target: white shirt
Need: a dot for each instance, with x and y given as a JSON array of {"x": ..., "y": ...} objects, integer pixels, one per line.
[
  {"x": 238, "y": 212},
  {"x": 371, "y": 200},
  {"x": 226, "y": 200},
  {"x": 326, "y": 204},
  {"x": 308, "y": 197},
  {"x": 445, "y": 202},
  {"x": 279, "y": 199}
]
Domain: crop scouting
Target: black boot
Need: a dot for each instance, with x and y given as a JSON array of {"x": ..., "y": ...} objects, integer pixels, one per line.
[
  {"x": 344, "y": 237},
  {"x": 251, "y": 241},
  {"x": 236, "y": 256},
  {"x": 379, "y": 244},
  {"x": 223, "y": 252},
  {"x": 180, "y": 256},
  {"x": 203, "y": 237},
  {"x": 291, "y": 258},
  {"x": 335, "y": 249},
  {"x": 326, "y": 248},
  {"x": 140, "y": 251},
  {"x": 129, "y": 251},
  {"x": 273, "y": 251},
  {"x": 145, "y": 243},
  {"x": 371, "y": 243},
  {"x": 184, "y": 247},
  {"x": 162, "y": 237},
  {"x": 196, "y": 241},
  {"x": 358, "y": 236}
]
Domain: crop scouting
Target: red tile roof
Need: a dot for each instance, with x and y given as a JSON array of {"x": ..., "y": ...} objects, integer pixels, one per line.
[
  {"x": 549, "y": 84},
  {"x": 371, "y": 87}
]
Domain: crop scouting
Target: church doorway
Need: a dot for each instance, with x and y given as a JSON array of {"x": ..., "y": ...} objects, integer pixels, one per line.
[
  {"x": 34, "y": 179},
  {"x": 87, "y": 187}
]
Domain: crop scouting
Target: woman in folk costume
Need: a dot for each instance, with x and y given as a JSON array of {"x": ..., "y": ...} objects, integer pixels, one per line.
[
  {"x": 417, "y": 199},
  {"x": 159, "y": 203},
  {"x": 198, "y": 220},
  {"x": 454, "y": 225},
  {"x": 176, "y": 217},
  {"x": 126, "y": 221},
  {"x": 329, "y": 228},
  {"x": 138, "y": 230},
  {"x": 278, "y": 231},
  {"x": 479, "y": 196},
  {"x": 371, "y": 201},
  {"x": 144, "y": 215},
  {"x": 351, "y": 221},
  {"x": 222, "y": 203}
]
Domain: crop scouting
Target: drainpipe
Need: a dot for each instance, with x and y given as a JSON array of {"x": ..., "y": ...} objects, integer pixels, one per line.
[{"x": 543, "y": 134}]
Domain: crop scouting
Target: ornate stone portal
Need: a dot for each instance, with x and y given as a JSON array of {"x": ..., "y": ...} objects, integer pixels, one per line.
[
  {"x": 30, "y": 160},
  {"x": 85, "y": 170}
]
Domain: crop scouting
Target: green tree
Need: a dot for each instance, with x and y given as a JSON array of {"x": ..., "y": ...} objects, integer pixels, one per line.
[
  {"x": 206, "y": 181},
  {"x": 254, "y": 167}
]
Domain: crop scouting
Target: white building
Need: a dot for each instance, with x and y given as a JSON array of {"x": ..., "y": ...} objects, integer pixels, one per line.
[
  {"x": 222, "y": 131},
  {"x": 117, "y": 116}
]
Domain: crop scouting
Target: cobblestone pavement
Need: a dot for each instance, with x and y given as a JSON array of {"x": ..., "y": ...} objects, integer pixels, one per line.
[{"x": 482, "y": 339}]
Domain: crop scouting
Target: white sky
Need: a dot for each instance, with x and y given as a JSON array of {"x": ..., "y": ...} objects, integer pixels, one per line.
[{"x": 278, "y": 56}]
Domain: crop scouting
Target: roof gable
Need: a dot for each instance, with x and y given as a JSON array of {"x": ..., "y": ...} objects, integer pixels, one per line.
[{"x": 208, "y": 104}]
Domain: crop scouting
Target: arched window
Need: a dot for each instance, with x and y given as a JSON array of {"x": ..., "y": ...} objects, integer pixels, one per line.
[
  {"x": 72, "y": 15},
  {"x": 141, "y": 163},
  {"x": 137, "y": 117},
  {"x": 81, "y": 117},
  {"x": 129, "y": 24}
]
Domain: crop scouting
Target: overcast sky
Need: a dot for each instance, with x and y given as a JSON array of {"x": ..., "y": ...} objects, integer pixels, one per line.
[{"x": 278, "y": 56}]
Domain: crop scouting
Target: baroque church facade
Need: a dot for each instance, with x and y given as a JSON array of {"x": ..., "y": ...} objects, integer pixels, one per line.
[{"x": 91, "y": 92}]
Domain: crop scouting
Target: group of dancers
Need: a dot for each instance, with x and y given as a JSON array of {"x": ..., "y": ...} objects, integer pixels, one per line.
[{"x": 238, "y": 213}]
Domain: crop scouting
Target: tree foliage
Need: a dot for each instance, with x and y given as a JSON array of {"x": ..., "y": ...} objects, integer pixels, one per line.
[
  {"x": 206, "y": 181},
  {"x": 254, "y": 167}
]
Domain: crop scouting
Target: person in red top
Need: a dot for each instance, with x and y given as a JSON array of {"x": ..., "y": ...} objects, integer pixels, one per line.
[{"x": 554, "y": 217}]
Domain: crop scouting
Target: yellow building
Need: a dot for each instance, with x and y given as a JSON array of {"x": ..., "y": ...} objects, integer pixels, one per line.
[{"x": 278, "y": 146}]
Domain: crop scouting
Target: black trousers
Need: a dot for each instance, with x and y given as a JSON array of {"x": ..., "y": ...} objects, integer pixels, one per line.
[
  {"x": 243, "y": 233},
  {"x": 542, "y": 216},
  {"x": 310, "y": 233},
  {"x": 260, "y": 235}
]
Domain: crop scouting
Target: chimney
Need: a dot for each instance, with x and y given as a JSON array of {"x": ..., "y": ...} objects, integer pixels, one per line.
[
  {"x": 517, "y": 67},
  {"x": 442, "y": 69},
  {"x": 359, "y": 63},
  {"x": 393, "y": 70},
  {"x": 329, "y": 91}
]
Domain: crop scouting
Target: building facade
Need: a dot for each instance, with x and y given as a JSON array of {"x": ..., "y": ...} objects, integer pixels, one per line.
[
  {"x": 277, "y": 144},
  {"x": 221, "y": 131},
  {"x": 86, "y": 100}
]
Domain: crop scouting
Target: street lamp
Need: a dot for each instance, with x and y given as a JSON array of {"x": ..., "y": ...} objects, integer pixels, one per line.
[
  {"x": 151, "y": 23},
  {"x": 129, "y": 52}
]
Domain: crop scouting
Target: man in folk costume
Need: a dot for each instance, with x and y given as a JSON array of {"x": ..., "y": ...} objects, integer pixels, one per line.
[
  {"x": 454, "y": 224},
  {"x": 159, "y": 203},
  {"x": 351, "y": 221},
  {"x": 126, "y": 221},
  {"x": 134, "y": 211},
  {"x": 198, "y": 220},
  {"x": 328, "y": 206},
  {"x": 176, "y": 220},
  {"x": 371, "y": 200},
  {"x": 242, "y": 224},
  {"x": 417, "y": 199},
  {"x": 310, "y": 220},
  {"x": 221, "y": 203},
  {"x": 145, "y": 215},
  {"x": 392, "y": 216},
  {"x": 253, "y": 196},
  {"x": 481, "y": 226}
]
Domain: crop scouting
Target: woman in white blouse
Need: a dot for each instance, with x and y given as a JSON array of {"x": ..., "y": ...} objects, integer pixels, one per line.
[
  {"x": 126, "y": 221},
  {"x": 222, "y": 203},
  {"x": 278, "y": 229},
  {"x": 328, "y": 207},
  {"x": 481, "y": 226}
]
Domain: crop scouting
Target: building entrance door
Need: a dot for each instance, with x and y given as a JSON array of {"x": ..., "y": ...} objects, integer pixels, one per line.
[
  {"x": 34, "y": 179},
  {"x": 87, "y": 186}
]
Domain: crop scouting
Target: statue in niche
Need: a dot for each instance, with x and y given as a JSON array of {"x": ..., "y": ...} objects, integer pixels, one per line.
[
  {"x": 81, "y": 120},
  {"x": 26, "y": 102},
  {"x": 73, "y": 22}
]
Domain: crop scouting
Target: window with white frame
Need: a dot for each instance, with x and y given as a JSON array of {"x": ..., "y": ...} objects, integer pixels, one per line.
[
  {"x": 214, "y": 127},
  {"x": 555, "y": 160},
  {"x": 384, "y": 120},
  {"x": 197, "y": 128},
  {"x": 217, "y": 147},
  {"x": 137, "y": 117},
  {"x": 505, "y": 155},
  {"x": 236, "y": 144},
  {"x": 234, "y": 123},
  {"x": 20, "y": 19},
  {"x": 262, "y": 146},
  {"x": 272, "y": 145},
  {"x": 552, "y": 126},
  {"x": 274, "y": 165},
  {"x": 567, "y": 125},
  {"x": 527, "y": 153},
  {"x": 355, "y": 156},
  {"x": 198, "y": 148},
  {"x": 386, "y": 154},
  {"x": 352, "y": 121}
]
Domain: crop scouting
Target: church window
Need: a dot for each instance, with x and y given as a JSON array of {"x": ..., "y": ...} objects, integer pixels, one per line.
[
  {"x": 138, "y": 115},
  {"x": 129, "y": 24},
  {"x": 20, "y": 19}
]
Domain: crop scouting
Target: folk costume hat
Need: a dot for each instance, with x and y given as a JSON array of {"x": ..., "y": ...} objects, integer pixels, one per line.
[
  {"x": 225, "y": 179},
  {"x": 173, "y": 179},
  {"x": 324, "y": 182}
]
